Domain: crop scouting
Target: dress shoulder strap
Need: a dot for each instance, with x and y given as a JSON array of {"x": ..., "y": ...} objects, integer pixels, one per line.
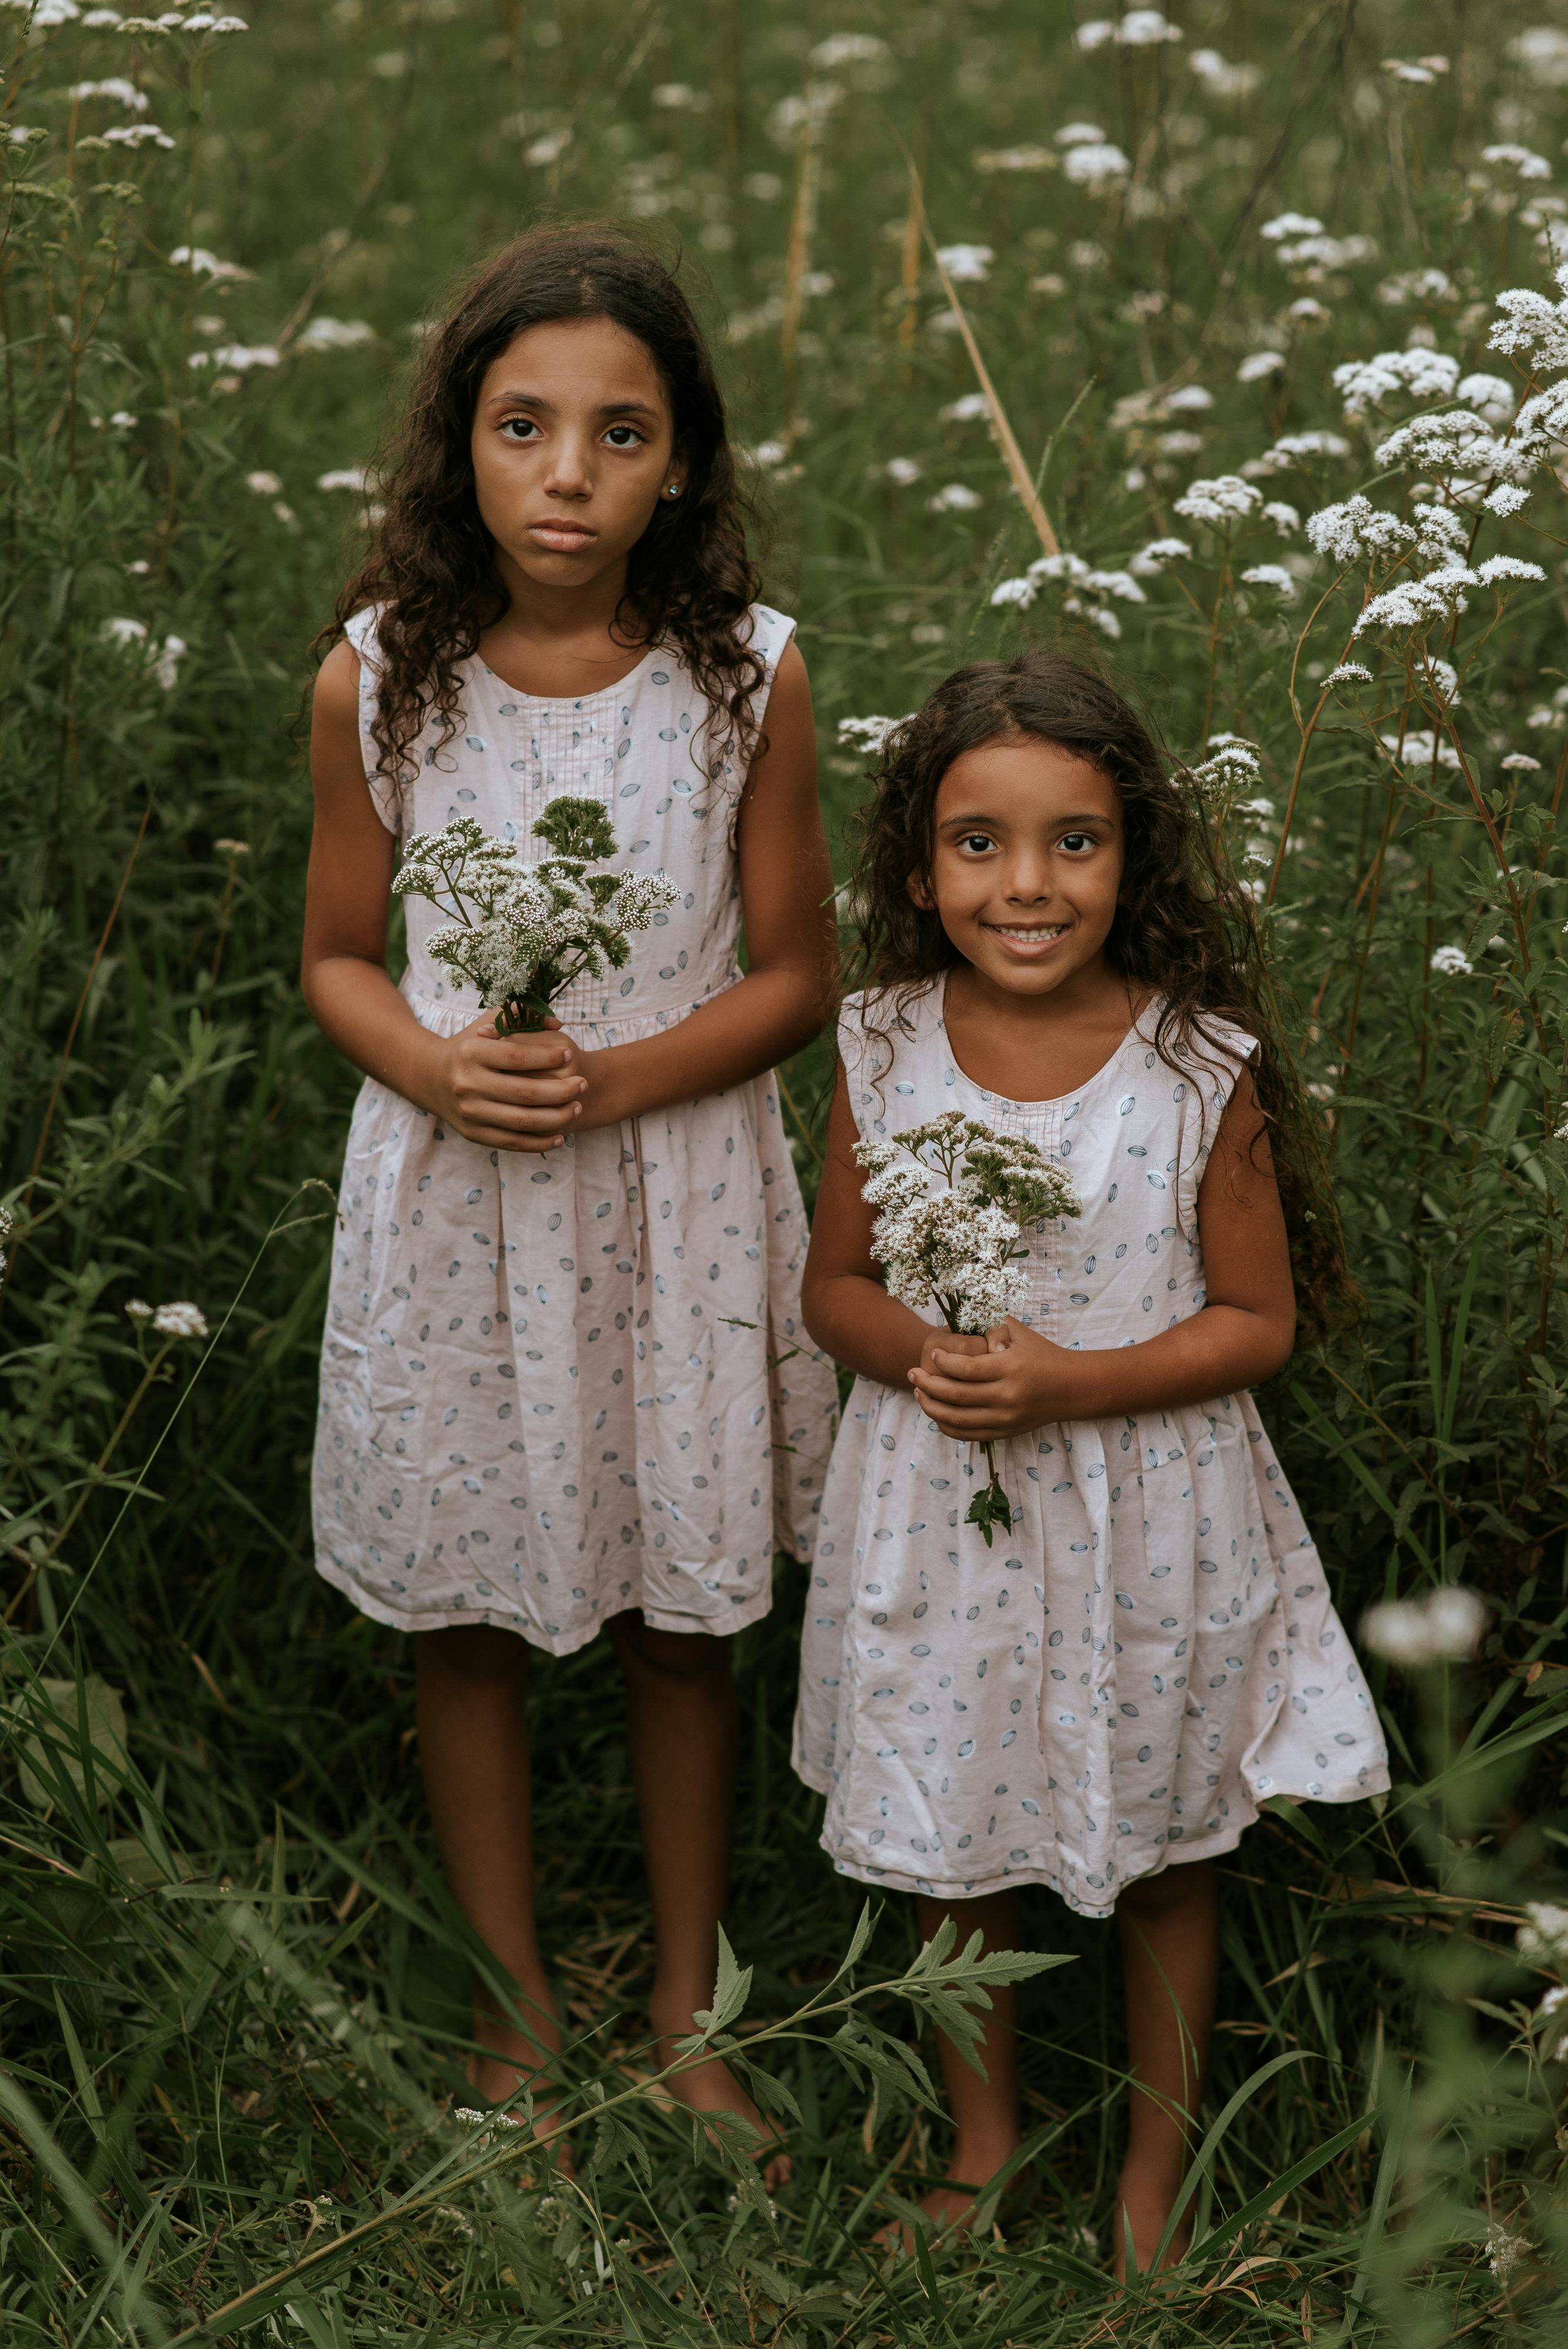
[
  {"x": 880, "y": 1031},
  {"x": 385, "y": 792}
]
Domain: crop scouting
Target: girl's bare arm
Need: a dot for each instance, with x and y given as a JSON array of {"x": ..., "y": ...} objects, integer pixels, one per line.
[
  {"x": 512, "y": 1093},
  {"x": 1243, "y": 1335},
  {"x": 845, "y": 1305},
  {"x": 786, "y": 903}
]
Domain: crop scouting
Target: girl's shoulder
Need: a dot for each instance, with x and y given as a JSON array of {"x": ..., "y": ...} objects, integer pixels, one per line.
[
  {"x": 766, "y": 633},
  {"x": 881, "y": 1025},
  {"x": 1206, "y": 1048},
  {"x": 360, "y": 631}
]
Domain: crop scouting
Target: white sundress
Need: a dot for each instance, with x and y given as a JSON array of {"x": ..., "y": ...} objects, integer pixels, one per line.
[
  {"x": 1152, "y": 1653},
  {"x": 556, "y": 1387}
]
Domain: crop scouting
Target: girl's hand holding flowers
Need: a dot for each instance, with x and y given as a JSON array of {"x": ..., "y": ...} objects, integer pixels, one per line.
[
  {"x": 508, "y": 1093},
  {"x": 1007, "y": 1383}
]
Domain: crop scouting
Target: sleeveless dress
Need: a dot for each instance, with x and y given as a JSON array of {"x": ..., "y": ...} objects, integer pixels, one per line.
[
  {"x": 554, "y": 1387},
  {"x": 1152, "y": 1653}
]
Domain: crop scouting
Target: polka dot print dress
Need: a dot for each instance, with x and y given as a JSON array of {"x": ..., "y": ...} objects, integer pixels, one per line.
[
  {"x": 1152, "y": 1653},
  {"x": 556, "y": 1387}
]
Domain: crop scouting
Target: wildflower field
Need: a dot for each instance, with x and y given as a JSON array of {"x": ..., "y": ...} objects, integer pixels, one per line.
[{"x": 1229, "y": 344}]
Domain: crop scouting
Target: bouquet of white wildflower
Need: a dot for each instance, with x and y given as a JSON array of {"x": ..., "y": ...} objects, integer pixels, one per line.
[
  {"x": 954, "y": 1246},
  {"x": 520, "y": 933}
]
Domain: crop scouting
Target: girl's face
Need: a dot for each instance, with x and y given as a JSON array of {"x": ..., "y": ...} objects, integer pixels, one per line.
[
  {"x": 573, "y": 446},
  {"x": 1027, "y": 856}
]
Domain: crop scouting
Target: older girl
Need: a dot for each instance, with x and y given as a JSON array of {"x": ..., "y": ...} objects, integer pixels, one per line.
[{"x": 565, "y": 1389}]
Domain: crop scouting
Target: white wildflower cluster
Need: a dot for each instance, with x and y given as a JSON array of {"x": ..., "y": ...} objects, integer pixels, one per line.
[
  {"x": 1150, "y": 560},
  {"x": 1222, "y": 79},
  {"x": 1451, "y": 962},
  {"x": 1096, "y": 165},
  {"x": 1295, "y": 449},
  {"x": 953, "y": 1197},
  {"x": 1417, "y": 751},
  {"x": 869, "y": 734},
  {"x": 1443, "y": 1627},
  {"x": 1225, "y": 499},
  {"x": 521, "y": 933},
  {"x": 1543, "y": 1939},
  {"x": 1271, "y": 575},
  {"x": 1415, "y": 374},
  {"x": 1259, "y": 365},
  {"x": 1139, "y": 28},
  {"x": 1090, "y": 592},
  {"x": 180, "y": 1320},
  {"x": 1228, "y": 767}
]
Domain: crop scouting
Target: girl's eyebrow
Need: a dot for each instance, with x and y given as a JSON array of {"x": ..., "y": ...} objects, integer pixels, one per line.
[
  {"x": 538, "y": 399},
  {"x": 990, "y": 824}
]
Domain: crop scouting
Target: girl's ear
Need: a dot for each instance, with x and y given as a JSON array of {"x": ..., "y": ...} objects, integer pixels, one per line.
[{"x": 919, "y": 890}]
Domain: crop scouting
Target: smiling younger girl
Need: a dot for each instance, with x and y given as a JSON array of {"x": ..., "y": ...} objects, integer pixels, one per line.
[
  {"x": 1102, "y": 1702},
  {"x": 565, "y": 1389}
]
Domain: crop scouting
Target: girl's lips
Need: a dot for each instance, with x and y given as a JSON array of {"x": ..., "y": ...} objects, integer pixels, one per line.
[{"x": 561, "y": 537}]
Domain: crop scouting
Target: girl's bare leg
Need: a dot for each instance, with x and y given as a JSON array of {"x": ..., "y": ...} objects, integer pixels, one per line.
[
  {"x": 680, "y": 1705},
  {"x": 1169, "y": 1931},
  {"x": 987, "y": 2128},
  {"x": 473, "y": 1746}
]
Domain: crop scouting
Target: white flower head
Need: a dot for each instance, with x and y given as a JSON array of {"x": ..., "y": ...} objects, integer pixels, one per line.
[
  {"x": 1289, "y": 224},
  {"x": 868, "y": 734},
  {"x": 1271, "y": 574},
  {"x": 1260, "y": 366},
  {"x": 1225, "y": 499},
  {"x": 1095, "y": 167},
  {"x": 1348, "y": 672},
  {"x": 1285, "y": 518},
  {"x": 955, "y": 497},
  {"x": 966, "y": 263},
  {"x": 1445, "y": 1626},
  {"x": 179, "y": 1321},
  {"x": 1523, "y": 161},
  {"x": 968, "y": 409},
  {"x": 1150, "y": 560},
  {"x": 1506, "y": 498},
  {"x": 1543, "y": 1939},
  {"x": 335, "y": 334},
  {"x": 1416, "y": 374},
  {"x": 903, "y": 470}
]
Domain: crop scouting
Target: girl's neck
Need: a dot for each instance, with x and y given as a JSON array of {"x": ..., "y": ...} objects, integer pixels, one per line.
[
  {"x": 561, "y": 643},
  {"x": 1037, "y": 1047}
]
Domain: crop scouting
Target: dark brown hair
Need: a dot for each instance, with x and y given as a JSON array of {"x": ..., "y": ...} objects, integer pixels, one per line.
[
  {"x": 431, "y": 574},
  {"x": 1184, "y": 927}
]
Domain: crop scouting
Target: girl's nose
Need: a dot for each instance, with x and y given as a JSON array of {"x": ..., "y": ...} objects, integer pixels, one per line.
[
  {"x": 1028, "y": 883},
  {"x": 570, "y": 475}
]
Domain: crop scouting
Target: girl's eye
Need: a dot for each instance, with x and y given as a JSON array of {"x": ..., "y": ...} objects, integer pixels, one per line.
[
  {"x": 977, "y": 843},
  {"x": 1076, "y": 842},
  {"x": 624, "y": 436},
  {"x": 520, "y": 428}
]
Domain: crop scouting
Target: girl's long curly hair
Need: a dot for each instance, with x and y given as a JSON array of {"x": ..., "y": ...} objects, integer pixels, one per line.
[
  {"x": 1183, "y": 929},
  {"x": 431, "y": 574}
]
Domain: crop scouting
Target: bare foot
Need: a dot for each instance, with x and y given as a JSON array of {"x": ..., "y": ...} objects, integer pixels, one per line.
[
  {"x": 948, "y": 2208},
  {"x": 1147, "y": 2204},
  {"x": 496, "y": 2077},
  {"x": 712, "y": 2088}
]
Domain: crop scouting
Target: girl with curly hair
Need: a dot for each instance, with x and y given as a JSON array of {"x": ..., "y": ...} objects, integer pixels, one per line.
[
  {"x": 565, "y": 1389},
  {"x": 1101, "y": 1702}
]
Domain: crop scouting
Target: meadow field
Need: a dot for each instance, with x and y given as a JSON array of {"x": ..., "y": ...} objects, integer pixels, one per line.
[{"x": 1036, "y": 324}]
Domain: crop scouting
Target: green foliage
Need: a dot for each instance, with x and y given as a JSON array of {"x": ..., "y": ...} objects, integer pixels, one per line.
[{"x": 232, "y": 1981}]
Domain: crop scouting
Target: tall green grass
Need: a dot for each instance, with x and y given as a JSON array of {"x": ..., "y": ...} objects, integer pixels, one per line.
[{"x": 234, "y": 1988}]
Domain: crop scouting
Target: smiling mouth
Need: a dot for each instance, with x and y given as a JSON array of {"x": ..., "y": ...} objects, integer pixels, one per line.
[{"x": 1028, "y": 934}]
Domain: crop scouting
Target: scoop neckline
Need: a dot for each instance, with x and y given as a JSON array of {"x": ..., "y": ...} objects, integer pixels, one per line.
[
  {"x": 1054, "y": 1100},
  {"x": 570, "y": 700}
]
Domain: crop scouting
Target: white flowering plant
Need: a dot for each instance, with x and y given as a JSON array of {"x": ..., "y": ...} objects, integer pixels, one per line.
[
  {"x": 520, "y": 934},
  {"x": 953, "y": 1197}
]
